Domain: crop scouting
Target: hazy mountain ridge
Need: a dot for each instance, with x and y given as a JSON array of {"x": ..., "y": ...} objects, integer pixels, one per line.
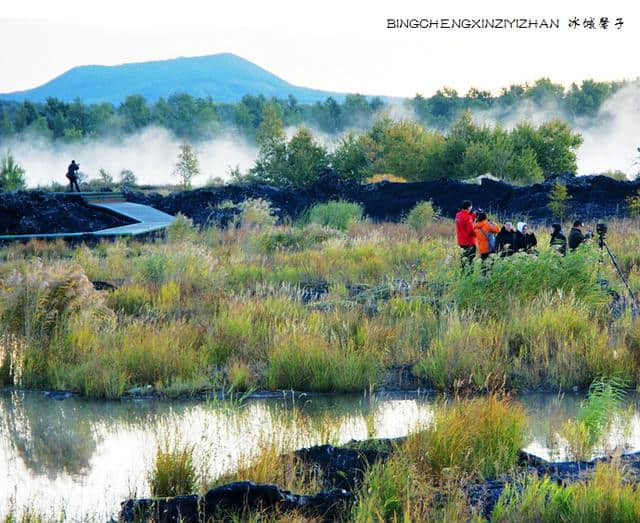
[{"x": 224, "y": 77}]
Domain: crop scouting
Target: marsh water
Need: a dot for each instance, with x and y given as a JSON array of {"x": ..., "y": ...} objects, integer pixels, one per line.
[{"x": 84, "y": 457}]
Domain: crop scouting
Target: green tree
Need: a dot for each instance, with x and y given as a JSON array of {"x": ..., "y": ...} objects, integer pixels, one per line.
[
  {"x": 127, "y": 178},
  {"x": 558, "y": 199},
  {"x": 11, "y": 174},
  {"x": 6, "y": 126},
  {"x": 136, "y": 112},
  {"x": 306, "y": 159},
  {"x": 477, "y": 160},
  {"x": 297, "y": 163},
  {"x": 187, "y": 166},
  {"x": 350, "y": 157},
  {"x": 523, "y": 168},
  {"x": 105, "y": 177},
  {"x": 405, "y": 149},
  {"x": 271, "y": 128},
  {"x": 556, "y": 147}
]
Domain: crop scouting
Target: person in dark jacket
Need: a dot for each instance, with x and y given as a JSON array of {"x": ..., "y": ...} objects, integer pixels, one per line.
[
  {"x": 72, "y": 175},
  {"x": 526, "y": 241},
  {"x": 558, "y": 239},
  {"x": 506, "y": 240},
  {"x": 576, "y": 237}
]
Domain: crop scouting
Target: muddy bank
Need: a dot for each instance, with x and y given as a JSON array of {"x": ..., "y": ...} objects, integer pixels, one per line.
[
  {"x": 592, "y": 197},
  {"x": 33, "y": 212},
  {"x": 342, "y": 469}
]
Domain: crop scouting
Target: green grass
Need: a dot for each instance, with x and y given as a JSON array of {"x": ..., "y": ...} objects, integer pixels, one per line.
[
  {"x": 335, "y": 214},
  {"x": 476, "y": 437},
  {"x": 596, "y": 416},
  {"x": 604, "y": 498},
  {"x": 173, "y": 472}
]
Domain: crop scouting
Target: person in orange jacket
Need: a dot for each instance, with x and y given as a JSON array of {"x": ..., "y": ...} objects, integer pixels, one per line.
[{"x": 485, "y": 235}]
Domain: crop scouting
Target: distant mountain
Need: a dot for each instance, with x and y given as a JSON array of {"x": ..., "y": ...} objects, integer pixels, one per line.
[{"x": 224, "y": 77}]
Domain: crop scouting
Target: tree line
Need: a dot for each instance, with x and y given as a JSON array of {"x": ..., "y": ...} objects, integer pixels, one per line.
[{"x": 196, "y": 119}]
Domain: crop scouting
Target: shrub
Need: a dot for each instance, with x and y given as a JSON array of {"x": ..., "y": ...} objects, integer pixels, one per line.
[
  {"x": 11, "y": 174},
  {"x": 256, "y": 213},
  {"x": 558, "y": 199},
  {"x": 480, "y": 437},
  {"x": 335, "y": 214},
  {"x": 295, "y": 238},
  {"x": 181, "y": 229},
  {"x": 422, "y": 215}
]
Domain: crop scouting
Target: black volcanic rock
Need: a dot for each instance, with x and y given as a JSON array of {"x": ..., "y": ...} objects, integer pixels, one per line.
[
  {"x": 33, "y": 212},
  {"x": 591, "y": 197}
]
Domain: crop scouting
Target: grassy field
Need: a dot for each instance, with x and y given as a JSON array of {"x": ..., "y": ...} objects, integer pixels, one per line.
[{"x": 328, "y": 304}]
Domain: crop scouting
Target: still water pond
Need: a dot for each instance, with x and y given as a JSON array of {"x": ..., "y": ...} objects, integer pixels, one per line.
[{"x": 84, "y": 457}]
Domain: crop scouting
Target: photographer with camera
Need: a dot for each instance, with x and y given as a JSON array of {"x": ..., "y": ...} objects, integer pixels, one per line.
[
  {"x": 576, "y": 237},
  {"x": 72, "y": 175}
]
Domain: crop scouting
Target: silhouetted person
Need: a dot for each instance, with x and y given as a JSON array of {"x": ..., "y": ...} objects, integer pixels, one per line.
[
  {"x": 506, "y": 240},
  {"x": 558, "y": 240},
  {"x": 72, "y": 175}
]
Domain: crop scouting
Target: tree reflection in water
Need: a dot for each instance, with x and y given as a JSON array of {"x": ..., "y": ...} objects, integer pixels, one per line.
[{"x": 51, "y": 437}]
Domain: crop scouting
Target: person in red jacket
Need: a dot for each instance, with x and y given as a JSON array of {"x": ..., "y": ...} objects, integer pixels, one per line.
[{"x": 466, "y": 233}]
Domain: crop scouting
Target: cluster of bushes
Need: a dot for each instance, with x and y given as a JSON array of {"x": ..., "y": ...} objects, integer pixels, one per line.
[{"x": 526, "y": 154}]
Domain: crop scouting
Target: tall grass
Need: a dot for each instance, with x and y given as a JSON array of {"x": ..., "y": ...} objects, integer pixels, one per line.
[
  {"x": 475, "y": 437},
  {"x": 595, "y": 418},
  {"x": 221, "y": 308},
  {"x": 306, "y": 362},
  {"x": 522, "y": 277},
  {"x": 604, "y": 498},
  {"x": 553, "y": 341},
  {"x": 173, "y": 472}
]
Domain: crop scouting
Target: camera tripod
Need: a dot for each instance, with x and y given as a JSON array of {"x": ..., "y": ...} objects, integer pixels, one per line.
[{"x": 602, "y": 231}]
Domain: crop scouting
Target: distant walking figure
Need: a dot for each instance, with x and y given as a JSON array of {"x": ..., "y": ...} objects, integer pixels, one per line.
[{"x": 72, "y": 175}]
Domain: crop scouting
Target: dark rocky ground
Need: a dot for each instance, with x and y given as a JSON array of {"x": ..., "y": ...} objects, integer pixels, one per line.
[
  {"x": 592, "y": 197},
  {"x": 342, "y": 469},
  {"x": 32, "y": 212}
]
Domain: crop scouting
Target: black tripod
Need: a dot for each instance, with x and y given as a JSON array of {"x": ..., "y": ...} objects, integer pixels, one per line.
[{"x": 601, "y": 229}]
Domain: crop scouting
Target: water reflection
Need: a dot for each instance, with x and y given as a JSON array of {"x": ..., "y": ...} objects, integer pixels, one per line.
[
  {"x": 48, "y": 439},
  {"x": 87, "y": 456}
]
